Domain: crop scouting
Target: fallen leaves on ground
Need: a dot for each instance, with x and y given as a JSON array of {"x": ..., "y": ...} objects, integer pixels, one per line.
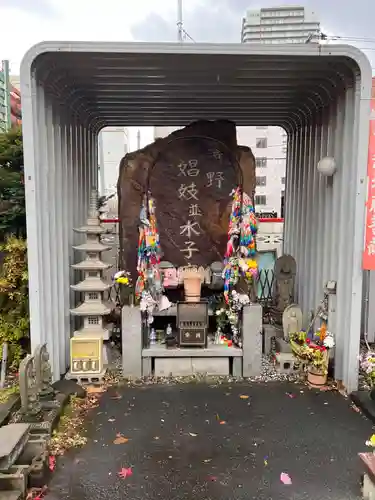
[
  {"x": 111, "y": 420},
  {"x": 156, "y": 438},
  {"x": 125, "y": 472},
  {"x": 212, "y": 478},
  {"x": 290, "y": 395},
  {"x": 285, "y": 478},
  {"x": 36, "y": 493},
  {"x": 244, "y": 396},
  {"x": 192, "y": 434},
  {"x": 355, "y": 408},
  {"x": 207, "y": 460},
  {"x": 222, "y": 422},
  {"x": 69, "y": 433},
  {"x": 120, "y": 439},
  {"x": 116, "y": 396},
  {"x": 94, "y": 389}
]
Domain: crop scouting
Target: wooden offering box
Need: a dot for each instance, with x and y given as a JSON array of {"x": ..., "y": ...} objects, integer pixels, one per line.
[{"x": 192, "y": 323}]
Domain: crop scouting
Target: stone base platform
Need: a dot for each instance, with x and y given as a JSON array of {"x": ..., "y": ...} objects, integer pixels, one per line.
[
  {"x": 87, "y": 378},
  {"x": 214, "y": 360}
]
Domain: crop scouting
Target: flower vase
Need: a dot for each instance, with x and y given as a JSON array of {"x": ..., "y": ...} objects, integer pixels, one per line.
[
  {"x": 218, "y": 334},
  {"x": 316, "y": 378}
]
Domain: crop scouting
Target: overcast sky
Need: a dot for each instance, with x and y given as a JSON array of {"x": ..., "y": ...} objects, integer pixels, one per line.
[{"x": 26, "y": 22}]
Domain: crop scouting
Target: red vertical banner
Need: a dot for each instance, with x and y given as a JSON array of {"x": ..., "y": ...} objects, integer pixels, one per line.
[{"x": 369, "y": 250}]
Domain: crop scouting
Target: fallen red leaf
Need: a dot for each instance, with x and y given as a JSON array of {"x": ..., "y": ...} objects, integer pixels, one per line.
[
  {"x": 212, "y": 478},
  {"x": 222, "y": 422},
  {"x": 125, "y": 472},
  {"x": 51, "y": 462}
]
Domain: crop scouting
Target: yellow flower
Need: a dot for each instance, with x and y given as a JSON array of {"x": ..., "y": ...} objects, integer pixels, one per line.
[
  {"x": 371, "y": 441},
  {"x": 123, "y": 281}
]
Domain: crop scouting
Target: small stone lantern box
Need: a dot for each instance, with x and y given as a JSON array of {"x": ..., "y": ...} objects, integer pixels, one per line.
[
  {"x": 93, "y": 308},
  {"x": 86, "y": 356}
]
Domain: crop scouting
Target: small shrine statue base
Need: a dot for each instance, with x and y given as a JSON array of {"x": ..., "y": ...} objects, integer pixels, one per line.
[{"x": 86, "y": 360}]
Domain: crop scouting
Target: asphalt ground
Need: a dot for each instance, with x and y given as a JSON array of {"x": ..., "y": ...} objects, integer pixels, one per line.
[{"x": 216, "y": 442}]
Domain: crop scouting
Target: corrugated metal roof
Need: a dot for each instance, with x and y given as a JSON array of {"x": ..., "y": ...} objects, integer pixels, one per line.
[
  {"x": 173, "y": 84},
  {"x": 320, "y": 94}
]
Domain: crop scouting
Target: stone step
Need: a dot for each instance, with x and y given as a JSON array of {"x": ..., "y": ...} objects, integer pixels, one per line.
[
  {"x": 11, "y": 495},
  {"x": 14, "y": 479},
  {"x": 13, "y": 439}
]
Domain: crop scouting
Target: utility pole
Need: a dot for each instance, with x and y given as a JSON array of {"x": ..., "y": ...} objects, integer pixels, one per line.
[
  {"x": 139, "y": 139},
  {"x": 180, "y": 30}
]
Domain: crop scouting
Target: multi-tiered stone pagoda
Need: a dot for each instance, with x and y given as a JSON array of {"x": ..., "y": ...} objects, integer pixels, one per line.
[{"x": 93, "y": 309}]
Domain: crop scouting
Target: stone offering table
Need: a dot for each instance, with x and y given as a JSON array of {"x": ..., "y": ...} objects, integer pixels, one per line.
[{"x": 214, "y": 360}]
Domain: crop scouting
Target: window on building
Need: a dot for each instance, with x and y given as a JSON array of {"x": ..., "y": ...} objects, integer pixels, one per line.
[
  {"x": 261, "y": 199},
  {"x": 261, "y": 162},
  {"x": 261, "y": 180},
  {"x": 261, "y": 142},
  {"x": 282, "y": 180}
]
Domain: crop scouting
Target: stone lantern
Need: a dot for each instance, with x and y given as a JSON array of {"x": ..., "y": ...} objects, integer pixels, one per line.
[{"x": 93, "y": 309}]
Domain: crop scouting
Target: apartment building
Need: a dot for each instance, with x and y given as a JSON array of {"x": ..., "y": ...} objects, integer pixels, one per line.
[
  {"x": 268, "y": 145},
  {"x": 113, "y": 144},
  {"x": 280, "y": 25},
  {"x": 285, "y": 24}
]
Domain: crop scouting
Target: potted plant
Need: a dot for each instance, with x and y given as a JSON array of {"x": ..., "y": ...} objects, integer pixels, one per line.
[
  {"x": 315, "y": 352},
  {"x": 367, "y": 367}
]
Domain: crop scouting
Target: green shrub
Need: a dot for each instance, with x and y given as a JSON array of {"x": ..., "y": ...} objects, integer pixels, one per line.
[
  {"x": 12, "y": 192},
  {"x": 14, "y": 301}
]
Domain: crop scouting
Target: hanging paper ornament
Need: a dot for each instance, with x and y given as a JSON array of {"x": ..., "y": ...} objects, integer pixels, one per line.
[
  {"x": 149, "y": 251},
  {"x": 241, "y": 242}
]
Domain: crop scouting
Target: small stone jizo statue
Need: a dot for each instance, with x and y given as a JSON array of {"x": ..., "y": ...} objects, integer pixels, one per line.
[{"x": 43, "y": 372}]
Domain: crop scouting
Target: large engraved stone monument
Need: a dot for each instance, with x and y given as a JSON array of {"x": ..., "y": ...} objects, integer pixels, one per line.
[{"x": 191, "y": 182}]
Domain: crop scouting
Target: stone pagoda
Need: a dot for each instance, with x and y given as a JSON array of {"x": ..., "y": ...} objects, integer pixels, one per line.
[{"x": 93, "y": 308}]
